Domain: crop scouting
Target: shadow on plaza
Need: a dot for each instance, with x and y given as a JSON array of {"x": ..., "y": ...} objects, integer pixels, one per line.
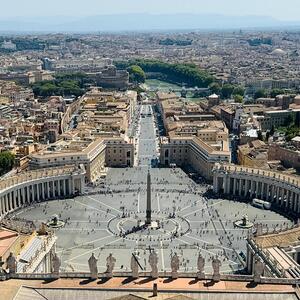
[
  {"x": 169, "y": 279},
  {"x": 146, "y": 280},
  {"x": 46, "y": 281},
  {"x": 128, "y": 280},
  {"x": 103, "y": 280},
  {"x": 86, "y": 281},
  {"x": 251, "y": 285},
  {"x": 209, "y": 283}
]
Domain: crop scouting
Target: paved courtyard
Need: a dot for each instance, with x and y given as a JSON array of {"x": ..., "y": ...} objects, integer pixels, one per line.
[
  {"x": 189, "y": 222},
  {"x": 93, "y": 222}
]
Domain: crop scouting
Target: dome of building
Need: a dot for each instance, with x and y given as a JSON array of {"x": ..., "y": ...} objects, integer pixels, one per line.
[
  {"x": 278, "y": 52},
  {"x": 213, "y": 96}
]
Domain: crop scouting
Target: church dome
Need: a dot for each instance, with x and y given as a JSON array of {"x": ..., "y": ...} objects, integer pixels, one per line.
[{"x": 278, "y": 52}]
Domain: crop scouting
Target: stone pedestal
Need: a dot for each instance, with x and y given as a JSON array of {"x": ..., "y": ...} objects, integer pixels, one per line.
[
  {"x": 216, "y": 277},
  {"x": 201, "y": 275},
  {"x": 174, "y": 275}
]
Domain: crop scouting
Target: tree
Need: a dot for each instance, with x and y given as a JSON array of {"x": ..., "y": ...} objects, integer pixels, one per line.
[
  {"x": 238, "y": 98},
  {"x": 62, "y": 85},
  {"x": 276, "y": 92},
  {"x": 238, "y": 90},
  {"x": 297, "y": 119},
  {"x": 215, "y": 88},
  {"x": 7, "y": 160},
  {"x": 261, "y": 93},
  {"x": 272, "y": 130},
  {"x": 288, "y": 121},
  {"x": 180, "y": 73},
  {"x": 226, "y": 90},
  {"x": 136, "y": 74},
  {"x": 260, "y": 136}
]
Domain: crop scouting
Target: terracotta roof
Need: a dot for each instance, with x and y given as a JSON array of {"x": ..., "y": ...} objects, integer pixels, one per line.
[{"x": 7, "y": 238}]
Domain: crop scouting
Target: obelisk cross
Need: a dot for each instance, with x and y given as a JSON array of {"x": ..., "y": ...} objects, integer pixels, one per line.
[{"x": 148, "y": 209}]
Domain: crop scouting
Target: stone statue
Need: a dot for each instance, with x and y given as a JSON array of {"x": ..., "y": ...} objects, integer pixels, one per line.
[
  {"x": 216, "y": 264},
  {"x": 55, "y": 264},
  {"x": 259, "y": 268},
  {"x": 110, "y": 264},
  {"x": 245, "y": 220},
  {"x": 259, "y": 230},
  {"x": 1, "y": 266},
  {"x": 134, "y": 265},
  {"x": 42, "y": 229},
  {"x": 54, "y": 219},
  {"x": 93, "y": 266},
  {"x": 153, "y": 261},
  {"x": 11, "y": 263},
  {"x": 175, "y": 266},
  {"x": 201, "y": 265}
]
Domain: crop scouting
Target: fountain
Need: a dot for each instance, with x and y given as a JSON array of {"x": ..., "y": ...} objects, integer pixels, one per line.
[
  {"x": 55, "y": 222},
  {"x": 244, "y": 223}
]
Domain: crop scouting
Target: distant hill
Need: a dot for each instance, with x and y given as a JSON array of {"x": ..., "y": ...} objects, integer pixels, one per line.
[{"x": 140, "y": 22}]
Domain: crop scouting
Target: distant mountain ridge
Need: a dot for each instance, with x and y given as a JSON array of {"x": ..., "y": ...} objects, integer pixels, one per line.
[{"x": 140, "y": 22}]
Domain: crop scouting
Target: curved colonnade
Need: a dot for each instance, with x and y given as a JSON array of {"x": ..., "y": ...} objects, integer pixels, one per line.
[
  {"x": 39, "y": 185},
  {"x": 281, "y": 190}
]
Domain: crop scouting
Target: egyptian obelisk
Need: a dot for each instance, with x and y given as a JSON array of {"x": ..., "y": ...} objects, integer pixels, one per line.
[{"x": 148, "y": 209}]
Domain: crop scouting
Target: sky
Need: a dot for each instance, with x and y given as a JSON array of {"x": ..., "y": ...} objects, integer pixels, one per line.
[{"x": 286, "y": 10}]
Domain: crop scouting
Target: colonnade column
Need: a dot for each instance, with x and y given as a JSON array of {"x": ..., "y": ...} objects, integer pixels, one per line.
[
  {"x": 64, "y": 187},
  {"x": 28, "y": 194},
  {"x": 20, "y": 197},
  {"x": 246, "y": 187},
  {"x": 251, "y": 188},
  {"x": 23, "y": 195},
  {"x": 215, "y": 184},
  {"x": 234, "y": 186},
  {"x": 43, "y": 191},
  {"x": 70, "y": 187},
  {"x": 58, "y": 188},
  {"x": 48, "y": 189},
  {"x": 38, "y": 192},
  {"x": 282, "y": 197},
  {"x": 272, "y": 193},
  {"x": 240, "y": 187},
  {"x": 227, "y": 185}
]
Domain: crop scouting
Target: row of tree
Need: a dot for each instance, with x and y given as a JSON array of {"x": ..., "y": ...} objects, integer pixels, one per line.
[
  {"x": 228, "y": 91},
  {"x": 291, "y": 127},
  {"x": 7, "y": 160},
  {"x": 169, "y": 41},
  {"x": 263, "y": 93},
  {"x": 178, "y": 73},
  {"x": 62, "y": 85}
]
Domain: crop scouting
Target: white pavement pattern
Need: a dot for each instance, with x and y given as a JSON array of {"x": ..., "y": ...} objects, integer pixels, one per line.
[{"x": 92, "y": 220}]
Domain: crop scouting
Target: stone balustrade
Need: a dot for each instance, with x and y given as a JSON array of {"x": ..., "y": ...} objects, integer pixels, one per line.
[
  {"x": 40, "y": 253},
  {"x": 223, "y": 277}
]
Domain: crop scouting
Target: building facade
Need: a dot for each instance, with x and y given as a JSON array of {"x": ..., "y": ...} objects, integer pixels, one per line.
[{"x": 281, "y": 190}]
